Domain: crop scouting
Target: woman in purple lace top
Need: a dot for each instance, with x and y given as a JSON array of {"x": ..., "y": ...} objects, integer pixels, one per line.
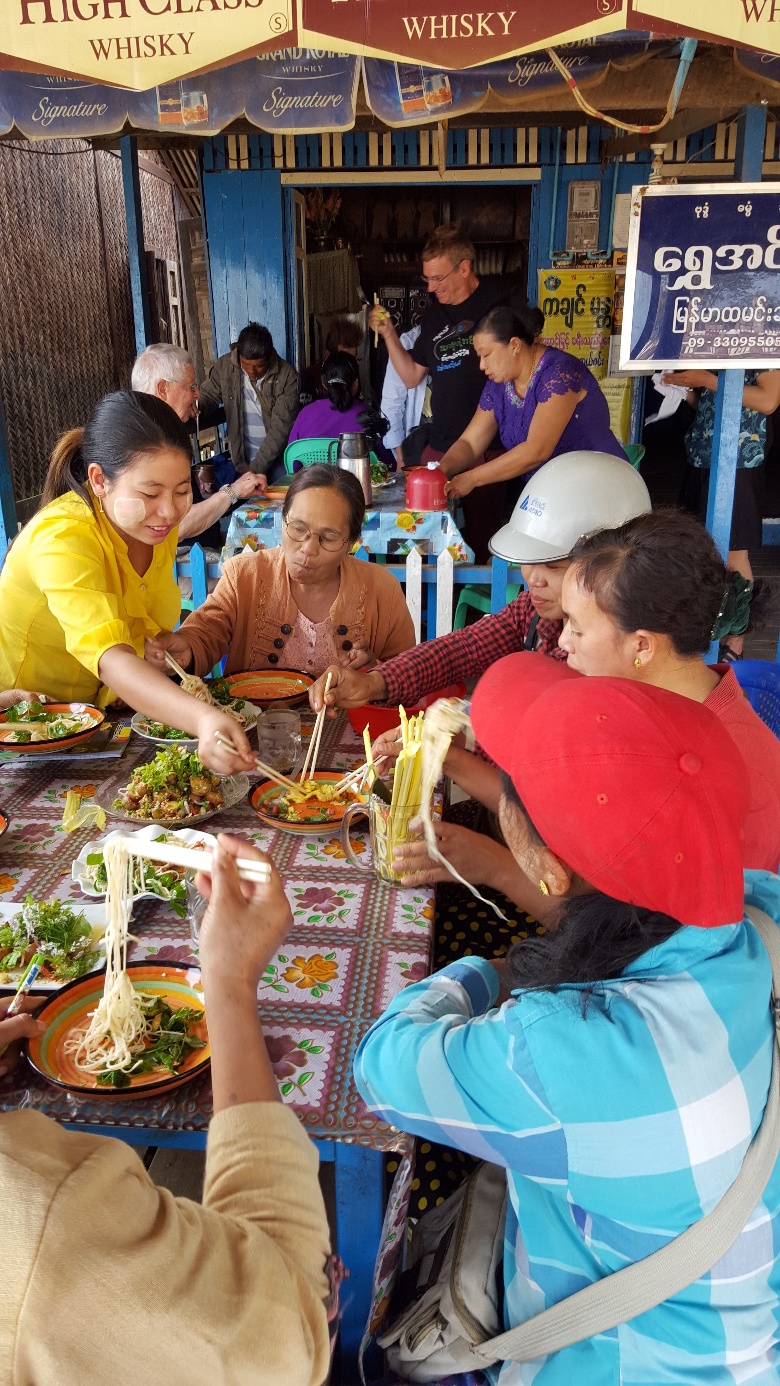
[{"x": 540, "y": 401}]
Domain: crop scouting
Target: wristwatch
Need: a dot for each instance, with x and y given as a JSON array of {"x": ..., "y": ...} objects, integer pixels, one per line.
[{"x": 231, "y": 493}]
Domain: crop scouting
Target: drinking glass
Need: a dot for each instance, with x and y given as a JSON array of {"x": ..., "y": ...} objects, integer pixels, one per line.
[
  {"x": 279, "y": 738},
  {"x": 196, "y": 908}
]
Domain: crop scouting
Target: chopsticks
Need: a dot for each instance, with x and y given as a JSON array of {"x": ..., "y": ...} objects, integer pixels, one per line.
[
  {"x": 258, "y": 872},
  {"x": 177, "y": 669},
  {"x": 316, "y": 736},
  {"x": 264, "y": 769},
  {"x": 357, "y": 776},
  {"x": 376, "y": 334}
]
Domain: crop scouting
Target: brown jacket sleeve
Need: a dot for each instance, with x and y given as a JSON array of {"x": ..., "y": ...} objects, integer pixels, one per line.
[
  {"x": 284, "y": 412},
  {"x": 209, "y": 629},
  {"x": 123, "y": 1274}
]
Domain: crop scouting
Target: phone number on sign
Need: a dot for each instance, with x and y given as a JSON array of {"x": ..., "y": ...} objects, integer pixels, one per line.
[{"x": 734, "y": 345}]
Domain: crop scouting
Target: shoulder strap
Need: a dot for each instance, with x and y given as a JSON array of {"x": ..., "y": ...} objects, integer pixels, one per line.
[{"x": 647, "y": 1283}]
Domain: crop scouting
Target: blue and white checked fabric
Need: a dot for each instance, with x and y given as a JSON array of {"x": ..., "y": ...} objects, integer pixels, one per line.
[{"x": 618, "y": 1130}]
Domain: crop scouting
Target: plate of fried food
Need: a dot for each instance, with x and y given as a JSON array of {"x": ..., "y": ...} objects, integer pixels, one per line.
[
  {"x": 312, "y": 807},
  {"x": 175, "y": 790},
  {"x": 34, "y": 727}
]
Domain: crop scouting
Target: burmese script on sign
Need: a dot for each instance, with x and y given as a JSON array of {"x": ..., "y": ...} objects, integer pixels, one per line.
[
  {"x": 703, "y": 277},
  {"x": 141, "y": 43}
]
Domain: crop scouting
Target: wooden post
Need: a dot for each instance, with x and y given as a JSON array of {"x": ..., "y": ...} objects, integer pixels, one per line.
[
  {"x": 142, "y": 316},
  {"x": 748, "y": 166},
  {"x": 414, "y": 590},
  {"x": 445, "y": 589}
]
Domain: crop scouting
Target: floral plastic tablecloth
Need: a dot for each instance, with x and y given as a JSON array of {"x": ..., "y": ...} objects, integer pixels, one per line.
[
  {"x": 354, "y": 943},
  {"x": 389, "y": 529}
]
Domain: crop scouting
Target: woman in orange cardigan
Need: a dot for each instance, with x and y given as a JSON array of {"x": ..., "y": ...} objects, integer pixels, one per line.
[{"x": 304, "y": 605}]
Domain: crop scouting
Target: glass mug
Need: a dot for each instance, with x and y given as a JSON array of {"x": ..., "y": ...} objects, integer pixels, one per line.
[
  {"x": 383, "y": 840},
  {"x": 279, "y": 738},
  {"x": 196, "y": 908}
]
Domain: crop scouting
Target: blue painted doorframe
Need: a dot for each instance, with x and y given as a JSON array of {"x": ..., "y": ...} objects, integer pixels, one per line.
[
  {"x": 136, "y": 249},
  {"x": 751, "y": 133},
  {"x": 247, "y": 254}
]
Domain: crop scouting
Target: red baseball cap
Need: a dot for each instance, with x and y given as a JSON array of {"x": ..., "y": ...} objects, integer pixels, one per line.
[{"x": 641, "y": 792}]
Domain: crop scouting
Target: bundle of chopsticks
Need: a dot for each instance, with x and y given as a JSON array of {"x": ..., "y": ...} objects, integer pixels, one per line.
[
  {"x": 310, "y": 763},
  {"x": 193, "y": 859}
]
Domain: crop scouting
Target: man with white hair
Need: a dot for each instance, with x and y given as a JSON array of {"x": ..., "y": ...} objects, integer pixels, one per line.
[{"x": 168, "y": 372}]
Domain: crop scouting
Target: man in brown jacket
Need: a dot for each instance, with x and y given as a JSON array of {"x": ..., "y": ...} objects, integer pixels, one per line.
[
  {"x": 107, "y": 1277},
  {"x": 261, "y": 396}
]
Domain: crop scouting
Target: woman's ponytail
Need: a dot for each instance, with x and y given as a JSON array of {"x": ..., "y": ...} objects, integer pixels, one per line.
[{"x": 66, "y": 469}]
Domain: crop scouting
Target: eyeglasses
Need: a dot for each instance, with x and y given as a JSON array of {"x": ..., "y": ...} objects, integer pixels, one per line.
[
  {"x": 298, "y": 532},
  {"x": 436, "y": 279}
]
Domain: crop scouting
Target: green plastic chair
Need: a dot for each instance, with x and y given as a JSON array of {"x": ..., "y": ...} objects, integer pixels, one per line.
[
  {"x": 307, "y": 451},
  {"x": 478, "y": 598},
  {"x": 634, "y": 452}
]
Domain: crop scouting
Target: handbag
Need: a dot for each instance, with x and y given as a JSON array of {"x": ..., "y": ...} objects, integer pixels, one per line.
[{"x": 452, "y": 1293}]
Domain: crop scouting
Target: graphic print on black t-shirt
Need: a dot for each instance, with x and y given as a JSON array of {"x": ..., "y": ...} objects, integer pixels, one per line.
[{"x": 446, "y": 348}]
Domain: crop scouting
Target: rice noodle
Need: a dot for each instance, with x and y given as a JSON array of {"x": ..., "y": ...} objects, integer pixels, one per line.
[
  {"x": 443, "y": 720},
  {"x": 117, "y": 1030},
  {"x": 198, "y": 689}
]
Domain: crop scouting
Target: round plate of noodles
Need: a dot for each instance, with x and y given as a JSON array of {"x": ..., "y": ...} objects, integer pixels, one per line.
[
  {"x": 35, "y": 728},
  {"x": 70, "y": 1011}
]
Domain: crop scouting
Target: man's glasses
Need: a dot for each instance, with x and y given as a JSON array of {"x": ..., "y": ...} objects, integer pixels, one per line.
[
  {"x": 300, "y": 532},
  {"x": 434, "y": 280}
]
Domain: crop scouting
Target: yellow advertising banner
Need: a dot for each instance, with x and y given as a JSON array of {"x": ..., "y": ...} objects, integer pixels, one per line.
[
  {"x": 140, "y": 43},
  {"x": 578, "y": 306},
  {"x": 747, "y": 23}
]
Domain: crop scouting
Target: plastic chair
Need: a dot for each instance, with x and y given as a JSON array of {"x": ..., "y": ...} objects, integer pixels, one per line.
[
  {"x": 307, "y": 451},
  {"x": 478, "y": 598},
  {"x": 634, "y": 452},
  {"x": 760, "y": 681}
]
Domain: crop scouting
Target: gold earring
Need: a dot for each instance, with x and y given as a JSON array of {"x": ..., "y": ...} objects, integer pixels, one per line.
[
  {"x": 637, "y": 663},
  {"x": 543, "y": 887}
]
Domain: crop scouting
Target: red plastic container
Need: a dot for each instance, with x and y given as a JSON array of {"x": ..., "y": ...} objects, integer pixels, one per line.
[
  {"x": 425, "y": 489},
  {"x": 383, "y": 719}
]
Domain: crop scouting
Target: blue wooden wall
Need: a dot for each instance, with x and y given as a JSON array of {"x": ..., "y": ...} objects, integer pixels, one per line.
[{"x": 246, "y": 247}]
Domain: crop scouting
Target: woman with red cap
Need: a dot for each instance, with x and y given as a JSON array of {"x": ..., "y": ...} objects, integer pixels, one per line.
[
  {"x": 618, "y": 1068},
  {"x": 643, "y": 602}
]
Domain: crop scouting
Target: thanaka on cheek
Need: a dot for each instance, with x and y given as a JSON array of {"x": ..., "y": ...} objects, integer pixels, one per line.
[{"x": 129, "y": 511}]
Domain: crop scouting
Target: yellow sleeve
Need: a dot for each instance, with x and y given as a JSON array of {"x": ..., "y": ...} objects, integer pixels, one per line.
[{"x": 74, "y": 576}]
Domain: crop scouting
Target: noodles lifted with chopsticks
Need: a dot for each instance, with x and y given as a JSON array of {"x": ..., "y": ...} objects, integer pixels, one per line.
[
  {"x": 117, "y": 1031},
  {"x": 443, "y": 720},
  {"x": 198, "y": 689}
]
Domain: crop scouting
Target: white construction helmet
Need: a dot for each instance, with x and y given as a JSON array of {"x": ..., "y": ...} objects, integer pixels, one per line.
[{"x": 570, "y": 496}]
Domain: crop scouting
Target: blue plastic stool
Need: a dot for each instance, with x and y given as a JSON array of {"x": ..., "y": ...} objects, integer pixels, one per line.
[{"x": 760, "y": 680}]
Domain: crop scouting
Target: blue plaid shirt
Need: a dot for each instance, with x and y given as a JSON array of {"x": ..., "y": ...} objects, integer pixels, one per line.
[{"x": 618, "y": 1130}]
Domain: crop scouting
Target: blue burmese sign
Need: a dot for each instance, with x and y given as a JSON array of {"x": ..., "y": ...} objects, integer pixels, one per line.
[{"x": 703, "y": 277}]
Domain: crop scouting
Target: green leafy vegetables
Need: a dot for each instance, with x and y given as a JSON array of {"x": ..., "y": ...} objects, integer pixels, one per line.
[
  {"x": 154, "y": 878},
  {"x": 53, "y": 928},
  {"x": 168, "y": 1042}
]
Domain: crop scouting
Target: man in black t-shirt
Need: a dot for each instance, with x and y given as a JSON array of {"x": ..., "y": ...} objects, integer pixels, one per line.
[{"x": 445, "y": 351}]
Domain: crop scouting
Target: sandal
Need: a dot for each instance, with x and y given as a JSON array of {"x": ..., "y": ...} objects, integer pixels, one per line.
[{"x": 728, "y": 656}]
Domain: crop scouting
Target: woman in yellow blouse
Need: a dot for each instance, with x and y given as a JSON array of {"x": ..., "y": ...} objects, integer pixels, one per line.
[{"x": 90, "y": 578}]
